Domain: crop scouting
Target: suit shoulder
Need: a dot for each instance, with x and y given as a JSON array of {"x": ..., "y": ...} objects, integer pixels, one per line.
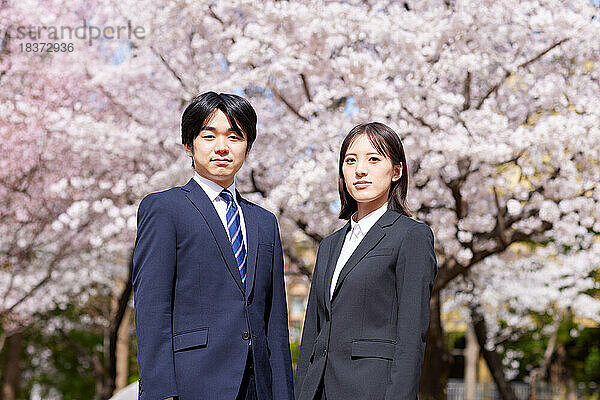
[
  {"x": 261, "y": 211},
  {"x": 419, "y": 229},
  {"x": 412, "y": 226},
  {"x": 161, "y": 199},
  {"x": 329, "y": 238}
]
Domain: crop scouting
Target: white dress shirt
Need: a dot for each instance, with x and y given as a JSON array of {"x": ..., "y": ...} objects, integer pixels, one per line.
[
  {"x": 357, "y": 232},
  {"x": 213, "y": 190}
]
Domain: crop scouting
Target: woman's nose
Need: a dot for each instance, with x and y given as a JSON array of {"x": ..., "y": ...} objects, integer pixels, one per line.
[{"x": 360, "y": 169}]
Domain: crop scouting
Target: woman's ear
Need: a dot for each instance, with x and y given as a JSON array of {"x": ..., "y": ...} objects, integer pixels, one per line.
[{"x": 397, "y": 172}]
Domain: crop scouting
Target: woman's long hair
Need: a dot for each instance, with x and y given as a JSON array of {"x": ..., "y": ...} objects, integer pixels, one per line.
[{"x": 387, "y": 143}]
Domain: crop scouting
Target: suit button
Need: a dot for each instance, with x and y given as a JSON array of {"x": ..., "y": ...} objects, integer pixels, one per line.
[
  {"x": 245, "y": 335},
  {"x": 325, "y": 353}
]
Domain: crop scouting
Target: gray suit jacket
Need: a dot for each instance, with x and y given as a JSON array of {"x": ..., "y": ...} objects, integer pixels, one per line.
[{"x": 368, "y": 341}]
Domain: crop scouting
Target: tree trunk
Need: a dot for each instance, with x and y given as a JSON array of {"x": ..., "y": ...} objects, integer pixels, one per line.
[
  {"x": 471, "y": 359},
  {"x": 562, "y": 376},
  {"x": 12, "y": 365},
  {"x": 436, "y": 366},
  {"x": 122, "y": 357},
  {"x": 492, "y": 358},
  {"x": 122, "y": 306},
  {"x": 571, "y": 388},
  {"x": 537, "y": 374}
]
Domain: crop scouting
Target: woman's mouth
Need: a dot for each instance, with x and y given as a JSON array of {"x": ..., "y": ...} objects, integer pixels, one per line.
[{"x": 361, "y": 184}]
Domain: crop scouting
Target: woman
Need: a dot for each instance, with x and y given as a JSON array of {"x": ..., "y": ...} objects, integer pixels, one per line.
[{"x": 368, "y": 308}]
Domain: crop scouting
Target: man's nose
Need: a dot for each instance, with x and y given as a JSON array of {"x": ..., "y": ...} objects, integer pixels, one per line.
[{"x": 221, "y": 146}]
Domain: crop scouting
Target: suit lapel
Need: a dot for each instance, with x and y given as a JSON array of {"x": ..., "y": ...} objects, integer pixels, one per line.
[
  {"x": 201, "y": 201},
  {"x": 334, "y": 253},
  {"x": 371, "y": 239},
  {"x": 251, "y": 222}
]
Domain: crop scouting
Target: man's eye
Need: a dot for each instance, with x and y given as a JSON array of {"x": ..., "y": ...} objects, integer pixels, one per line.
[
  {"x": 208, "y": 136},
  {"x": 234, "y": 137}
]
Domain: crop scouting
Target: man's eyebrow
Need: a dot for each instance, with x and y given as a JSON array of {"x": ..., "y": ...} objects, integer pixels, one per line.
[{"x": 212, "y": 128}]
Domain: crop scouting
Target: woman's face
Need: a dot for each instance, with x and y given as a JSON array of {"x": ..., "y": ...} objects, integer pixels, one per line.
[{"x": 368, "y": 174}]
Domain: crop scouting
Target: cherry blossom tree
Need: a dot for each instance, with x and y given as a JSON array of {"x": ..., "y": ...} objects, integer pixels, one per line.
[
  {"x": 496, "y": 102},
  {"x": 69, "y": 158}
]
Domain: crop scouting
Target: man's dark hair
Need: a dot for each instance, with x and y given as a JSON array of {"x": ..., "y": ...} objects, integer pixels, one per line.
[
  {"x": 239, "y": 111},
  {"x": 387, "y": 143}
]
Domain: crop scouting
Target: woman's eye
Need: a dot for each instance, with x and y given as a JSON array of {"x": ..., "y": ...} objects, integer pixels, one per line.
[
  {"x": 349, "y": 160},
  {"x": 374, "y": 159}
]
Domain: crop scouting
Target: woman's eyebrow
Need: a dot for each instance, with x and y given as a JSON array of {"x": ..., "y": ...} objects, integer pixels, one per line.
[{"x": 373, "y": 152}]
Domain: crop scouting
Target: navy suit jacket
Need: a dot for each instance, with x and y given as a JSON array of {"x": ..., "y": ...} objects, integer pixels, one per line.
[
  {"x": 194, "y": 320},
  {"x": 368, "y": 340}
]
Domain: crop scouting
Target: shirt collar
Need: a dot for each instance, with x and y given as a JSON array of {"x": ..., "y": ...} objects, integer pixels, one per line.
[
  {"x": 362, "y": 227},
  {"x": 213, "y": 189}
]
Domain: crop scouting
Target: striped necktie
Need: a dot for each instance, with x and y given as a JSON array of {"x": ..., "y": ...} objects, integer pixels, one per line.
[{"x": 234, "y": 227}]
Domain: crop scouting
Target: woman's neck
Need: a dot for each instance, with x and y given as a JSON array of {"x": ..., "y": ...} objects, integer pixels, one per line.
[{"x": 365, "y": 209}]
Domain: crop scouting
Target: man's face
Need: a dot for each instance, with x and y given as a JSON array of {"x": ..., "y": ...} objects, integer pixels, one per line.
[{"x": 219, "y": 152}]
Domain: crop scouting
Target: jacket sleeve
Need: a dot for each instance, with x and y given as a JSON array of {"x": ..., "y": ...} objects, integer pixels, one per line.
[
  {"x": 154, "y": 262},
  {"x": 277, "y": 328},
  {"x": 416, "y": 268},
  {"x": 309, "y": 331}
]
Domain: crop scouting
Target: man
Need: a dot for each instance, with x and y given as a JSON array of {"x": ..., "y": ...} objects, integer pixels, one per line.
[{"x": 210, "y": 306}]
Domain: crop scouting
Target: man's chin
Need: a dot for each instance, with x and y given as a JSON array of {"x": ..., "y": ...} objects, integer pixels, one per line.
[
  {"x": 219, "y": 170},
  {"x": 221, "y": 176}
]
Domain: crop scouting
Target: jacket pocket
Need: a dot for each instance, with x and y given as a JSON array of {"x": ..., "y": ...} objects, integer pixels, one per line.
[
  {"x": 190, "y": 339},
  {"x": 373, "y": 348},
  {"x": 266, "y": 246},
  {"x": 383, "y": 251}
]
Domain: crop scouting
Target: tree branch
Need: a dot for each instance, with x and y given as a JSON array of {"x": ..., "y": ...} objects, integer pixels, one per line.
[
  {"x": 305, "y": 86},
  {"x": 467, "y": 92},
  {"x": 170, "y": 69},
  {"x": 303, "y": 227},
  {"x": 302, "y": 267},
  {"x": 491, "y": 357},
  {"x": 117, "y": 319},
  {"x": 500, "y": 218},
  {"x": 418, "y": 119},
  {"x": 288, "y": 104},
  {"x": 507, "y": 73},
  {"x": 452, "y": 269},
  {"x": 58, "y": 256},
  {"x": 255, "y": 185},
  {"x": 214, "y": 15},
  {"x": 97, "y": 368},
  {"x": 540, "y": 371}
]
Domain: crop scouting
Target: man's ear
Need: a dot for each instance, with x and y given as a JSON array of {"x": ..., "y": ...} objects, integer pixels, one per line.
[
  {"x": 189, "y": 151},
  {"x": 397, "y": 172}
]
